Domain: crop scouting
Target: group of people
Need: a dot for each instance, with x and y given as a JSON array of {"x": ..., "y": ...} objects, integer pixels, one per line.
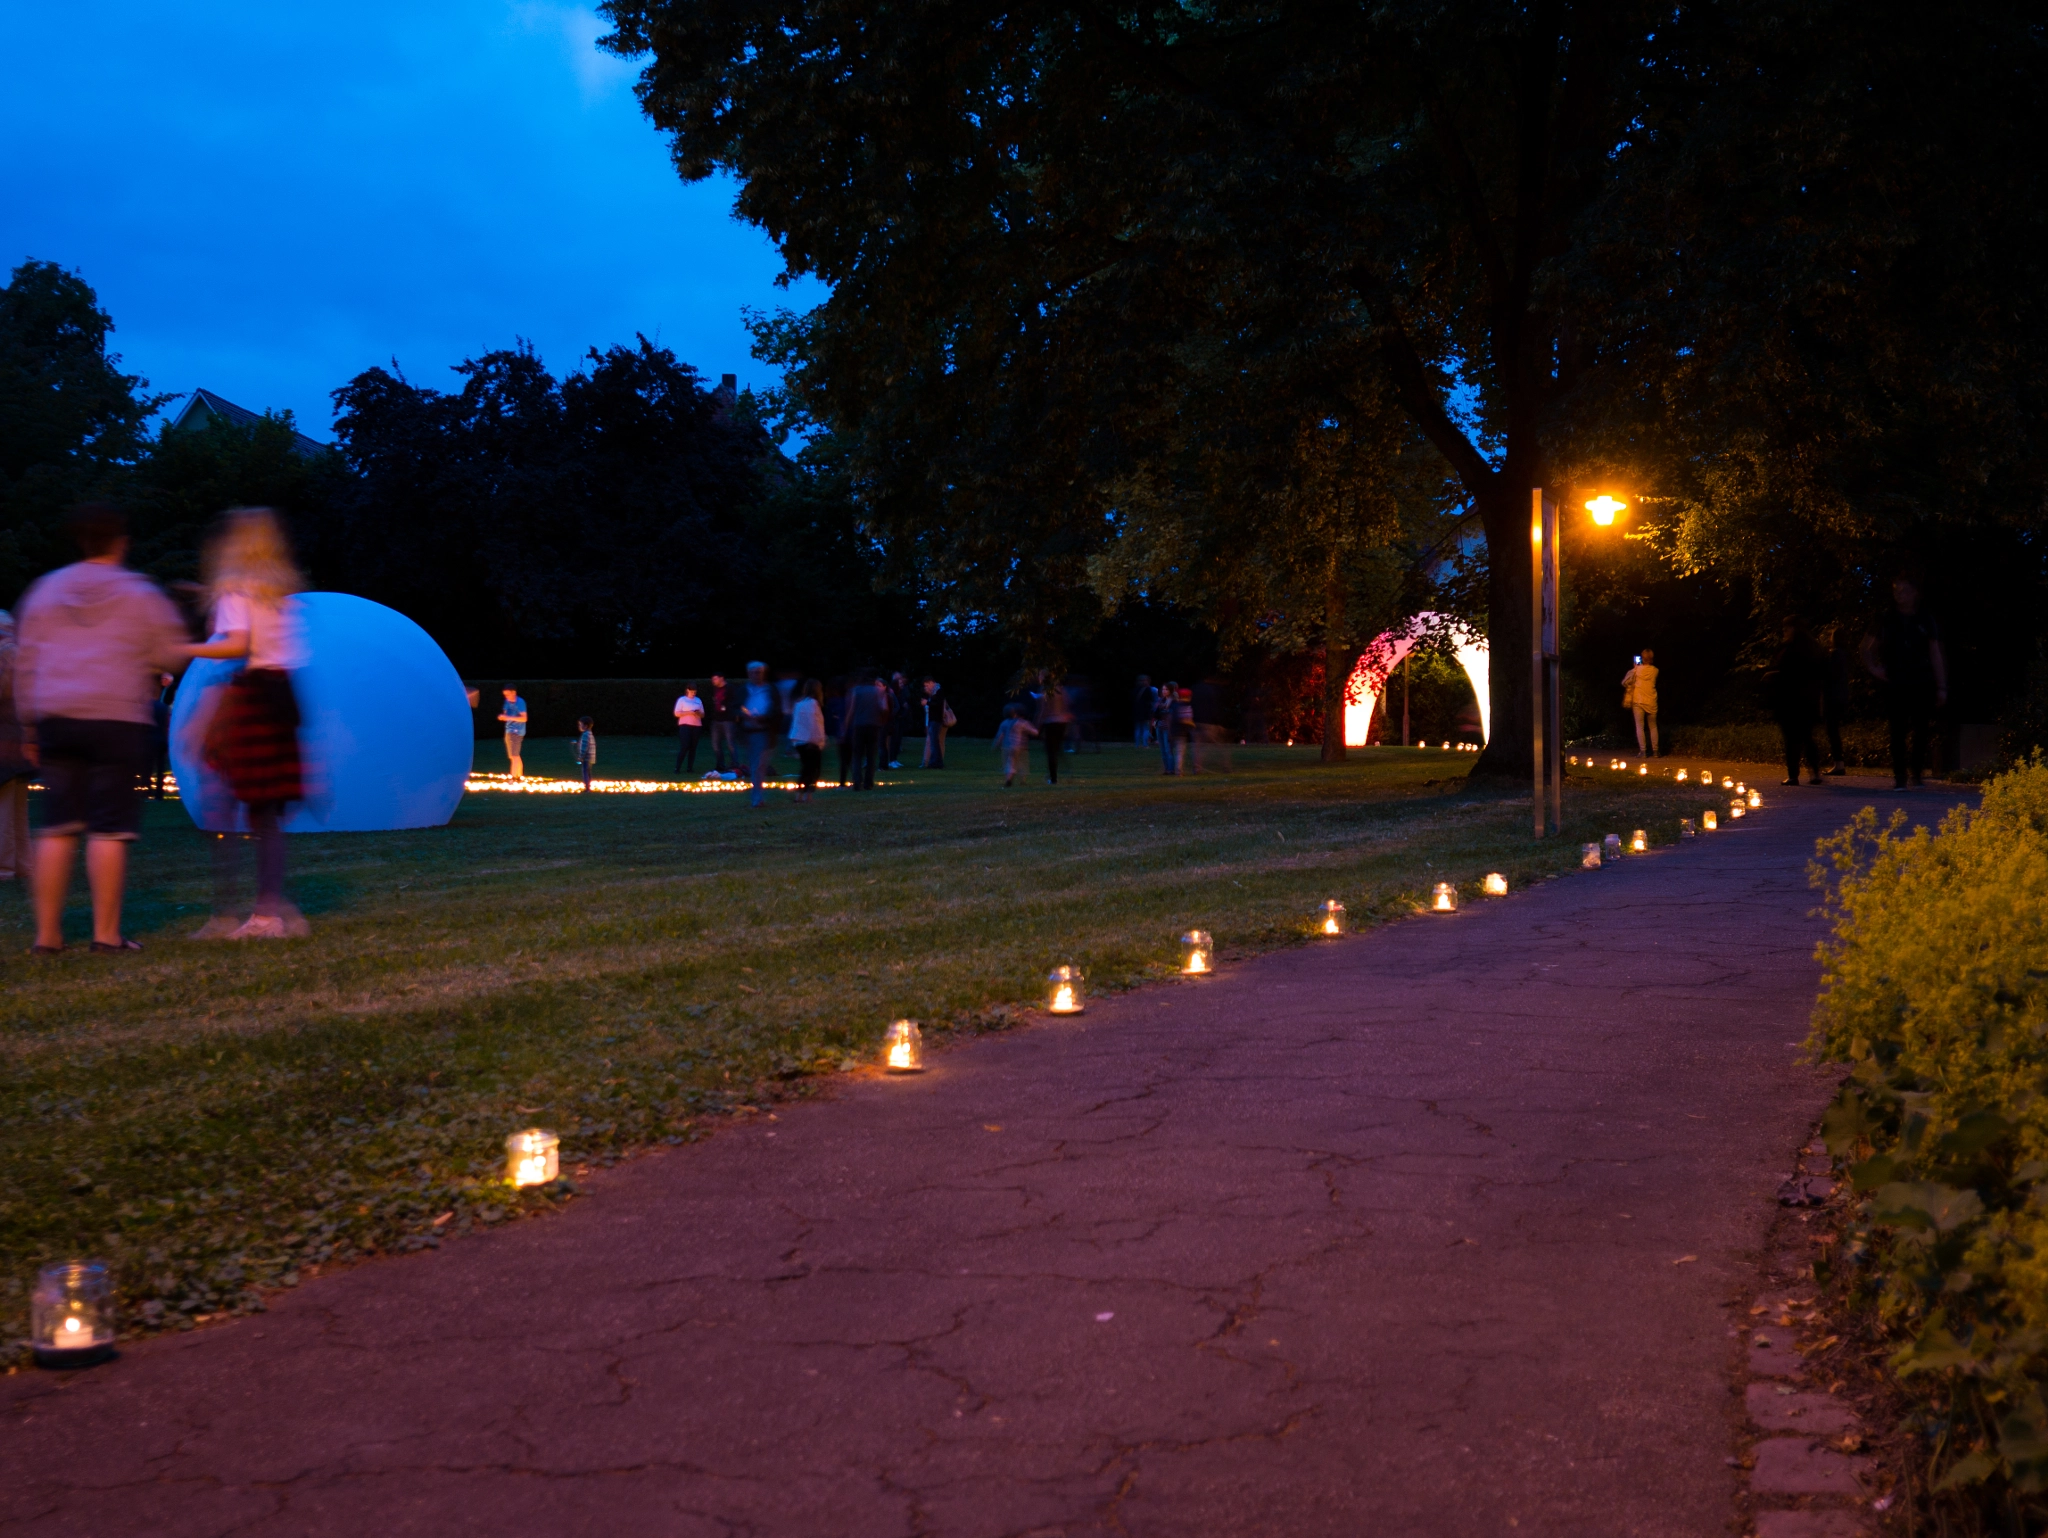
[
  {"x": 1807, "y": 685},
  {"x": 83, "y": 671},
  {"x": 1185, "y": 724}
]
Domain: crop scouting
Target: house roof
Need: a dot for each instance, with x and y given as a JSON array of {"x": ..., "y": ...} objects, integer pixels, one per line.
[{"x": 203, "y": 404}]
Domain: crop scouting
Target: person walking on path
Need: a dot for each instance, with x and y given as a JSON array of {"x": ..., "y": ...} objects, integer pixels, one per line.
[
  {"x": 689, "y": 727},
  {"x": 1834, "y": 694},
  {"x": 514, "y": 717},
  {"x": 1055, "y": 716},
  {"x": 724, "y": 755},
  {"x": 252, "y": 741},
  {"x": 1904, "y": 654},
  {"x": 586, "y": 750},
  {"x": 757, "y": 717},
  {"x": 92, "y": 638},
  {"x": 865, "y": 713},
  {"x": 1143, "y": 704},
  {"x": 1013, "y": 744},
  {"x": 1793, "y": 686},
  {"x": 938, "y": 718},
  {"x": 1639, "y": 696},
  {"x": 807, "y": 736},
  {"x": 14, "y": 766}
]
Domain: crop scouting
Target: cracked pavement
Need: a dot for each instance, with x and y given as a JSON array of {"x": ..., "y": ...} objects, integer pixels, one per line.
[{"x": 1421, "y": 1231}]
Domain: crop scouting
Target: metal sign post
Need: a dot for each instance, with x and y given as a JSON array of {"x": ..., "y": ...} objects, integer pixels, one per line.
[{"x": 1546, "y": 562}]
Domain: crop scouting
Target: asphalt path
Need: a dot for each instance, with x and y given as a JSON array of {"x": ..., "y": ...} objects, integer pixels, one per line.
[{"x": 1423, "y": 1231}]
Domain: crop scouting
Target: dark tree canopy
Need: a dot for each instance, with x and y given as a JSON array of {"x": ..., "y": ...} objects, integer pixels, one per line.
[
  {"x": 1568, "y": 241},
  {"x": 69, "y": 418}
]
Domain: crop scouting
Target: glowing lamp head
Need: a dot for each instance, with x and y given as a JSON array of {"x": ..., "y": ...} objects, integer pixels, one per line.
[
  {"x": 1606, "y": 509},
  {"x": 1685, "y": 828},
  {"x": 1709, "y": 822},
  {"x": 1639, "y": 842},
  {"x": 532, "y": 1157},
  {"x": 1589, "y": 857},
  {"x": 1495, "y": 885},
  {"x": 903, "y": 1047},
  {"x": 1443, "y": 898},
  {"x": 71, "y": 1314},
  {"x": 1064, "y": 994},
  {"x": 1330, "y": 918},
  {"x": 1755, "y": 800}
]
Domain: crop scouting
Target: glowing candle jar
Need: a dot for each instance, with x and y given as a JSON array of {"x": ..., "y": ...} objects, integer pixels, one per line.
[
  {"x": 1685, "y": 828},
  {"x": 1709, "y": 822},
  {"x": 1639, "y": 842},
  {"x": 1727, "y": 783},
  {"x": 903, "y": 1047},
  {"x": 1621, "y": 764},
  {"x": 1064, "y": 994},
  {"x": 1741, "y": 789},
  {"x": 1589, "y": 857},
  {"x": 71, "y": 1314},
  {"x": 1495, "y": 885},
  {"x": 1755, "y": 799},
  {"x": 1736, "y": 807},
  {"x": 532, "y": 1157},
  {"x": 1575, "y": 760},
  {"x": 1330, "y": 918},
  {"x": 1610, "y": 846},
  {"x": 1681, "y": 776},
  {"x": 1197, "y": 953},
  {"x": 1443, "y": 898},
  {"x": 1642, "y": 768}
]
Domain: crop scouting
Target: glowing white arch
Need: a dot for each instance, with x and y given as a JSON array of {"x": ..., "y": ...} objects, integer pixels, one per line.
[{"x": 1369, "y": 679}]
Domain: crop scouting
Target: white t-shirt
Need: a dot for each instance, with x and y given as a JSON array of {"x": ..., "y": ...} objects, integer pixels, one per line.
[
  {"x": 277, "y": 634},
  {"x": 1641, "y": 681},
  {"x": 689, "y": 710}
]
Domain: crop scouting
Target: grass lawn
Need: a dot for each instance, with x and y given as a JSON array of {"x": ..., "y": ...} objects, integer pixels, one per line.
[{"x": 219, "y": 1118}]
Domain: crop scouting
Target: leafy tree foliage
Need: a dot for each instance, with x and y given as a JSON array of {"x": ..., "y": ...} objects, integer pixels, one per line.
[
  {"x": 69, "y": 418},
  {"x": 1573, "y": 241}
]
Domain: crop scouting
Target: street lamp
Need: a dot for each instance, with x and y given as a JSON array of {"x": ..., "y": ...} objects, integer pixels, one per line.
[
  {"x": 1606, "y": 509},
  {"x": 1546, "y": 567}
]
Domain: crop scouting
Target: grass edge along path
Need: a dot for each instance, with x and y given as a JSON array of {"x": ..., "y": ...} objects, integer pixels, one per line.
[{"x": 256, "y": 1115}]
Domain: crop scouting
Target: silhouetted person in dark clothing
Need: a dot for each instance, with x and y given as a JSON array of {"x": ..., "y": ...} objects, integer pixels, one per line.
[
  {"x": 1904, "y": 654},
  {"x": 1834, "y": 694},
  {"x": 865, "y": 716},
  {"x": 1794, "y": 686}
]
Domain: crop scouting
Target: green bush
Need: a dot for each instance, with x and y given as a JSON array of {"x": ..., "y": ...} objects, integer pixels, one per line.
[{"x": 1936, "y": 993}]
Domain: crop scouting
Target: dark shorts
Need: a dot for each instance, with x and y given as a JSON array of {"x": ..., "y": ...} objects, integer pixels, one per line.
[{"x": 90, "y": 769}]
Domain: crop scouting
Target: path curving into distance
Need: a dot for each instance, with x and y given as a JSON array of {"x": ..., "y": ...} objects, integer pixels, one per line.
[{"x": 1386, "y": 1236}]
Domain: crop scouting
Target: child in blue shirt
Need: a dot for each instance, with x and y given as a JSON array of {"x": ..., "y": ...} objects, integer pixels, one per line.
[{"x": 586, "y": 748}]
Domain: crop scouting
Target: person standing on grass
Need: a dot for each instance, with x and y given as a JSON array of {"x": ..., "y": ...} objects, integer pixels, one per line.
[
  {"x": 1834, "y": 694},
  {"x": 1162, "y": 724},
  {"x": 835, "y": 727},
  {"x": 1793, "y": 686},
  {"x": 252, "y": 741},
  {"x": 807, "y": 736},
  {"x": 1639, "y": 695},
  {"x": 1143, "y": 703},
  {"x": 514, "y": 717},
  {"x": 723, "y": 753},
  {"x": 757, "y": 717},
  {"x": 91, "y": 638},
  {"x": 586, "y": 749},
  {"x": 1904, "y": 654},
  {"x": 938, "y": 716},
  {"x": 14, "y": 766},
  {"x": 689, "y": 726},
  {"x": 1184, "y": 759},
  {"x": 1055, "y": 716},
  {"x": 896, "y": 707},
  {"x": 1013, "y": 744},
  {"x": 865, "y": 714}
]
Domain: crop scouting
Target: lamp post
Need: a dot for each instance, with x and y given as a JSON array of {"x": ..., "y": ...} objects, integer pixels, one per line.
[{"x": 1546, "y": 560}]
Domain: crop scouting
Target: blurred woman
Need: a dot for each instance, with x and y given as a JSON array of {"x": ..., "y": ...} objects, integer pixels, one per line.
[
  {"x": 807, "y": 736},
  {"x": 14, "y": 766},
  {"x": 252, "y": 741}
]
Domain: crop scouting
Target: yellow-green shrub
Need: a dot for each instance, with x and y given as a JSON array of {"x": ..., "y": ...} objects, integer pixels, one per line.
[{"x": 1935, "y": 990}]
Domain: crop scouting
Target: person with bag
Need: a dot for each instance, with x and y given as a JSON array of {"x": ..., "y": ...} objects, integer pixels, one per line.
[
  {"x": 938, "y": 717},
  {"x": 1639, "y": 696},
  {"x": 252, "y": 741}
]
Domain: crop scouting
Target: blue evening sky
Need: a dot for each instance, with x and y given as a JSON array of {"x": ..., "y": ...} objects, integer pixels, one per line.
[{"x": 272, "y": 197}]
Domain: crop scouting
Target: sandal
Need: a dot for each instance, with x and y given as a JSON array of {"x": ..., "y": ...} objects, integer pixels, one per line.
[{"x": 101, "y": 948}]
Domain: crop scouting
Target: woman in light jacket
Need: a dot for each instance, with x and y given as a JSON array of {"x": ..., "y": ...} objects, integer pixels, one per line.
[{"x": 807, "y": 736}]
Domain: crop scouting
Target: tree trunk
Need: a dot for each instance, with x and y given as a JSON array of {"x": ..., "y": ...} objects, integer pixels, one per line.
[
  {"x": 1339, "y": 658},
  {"x": 1504, "y": 514}
]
